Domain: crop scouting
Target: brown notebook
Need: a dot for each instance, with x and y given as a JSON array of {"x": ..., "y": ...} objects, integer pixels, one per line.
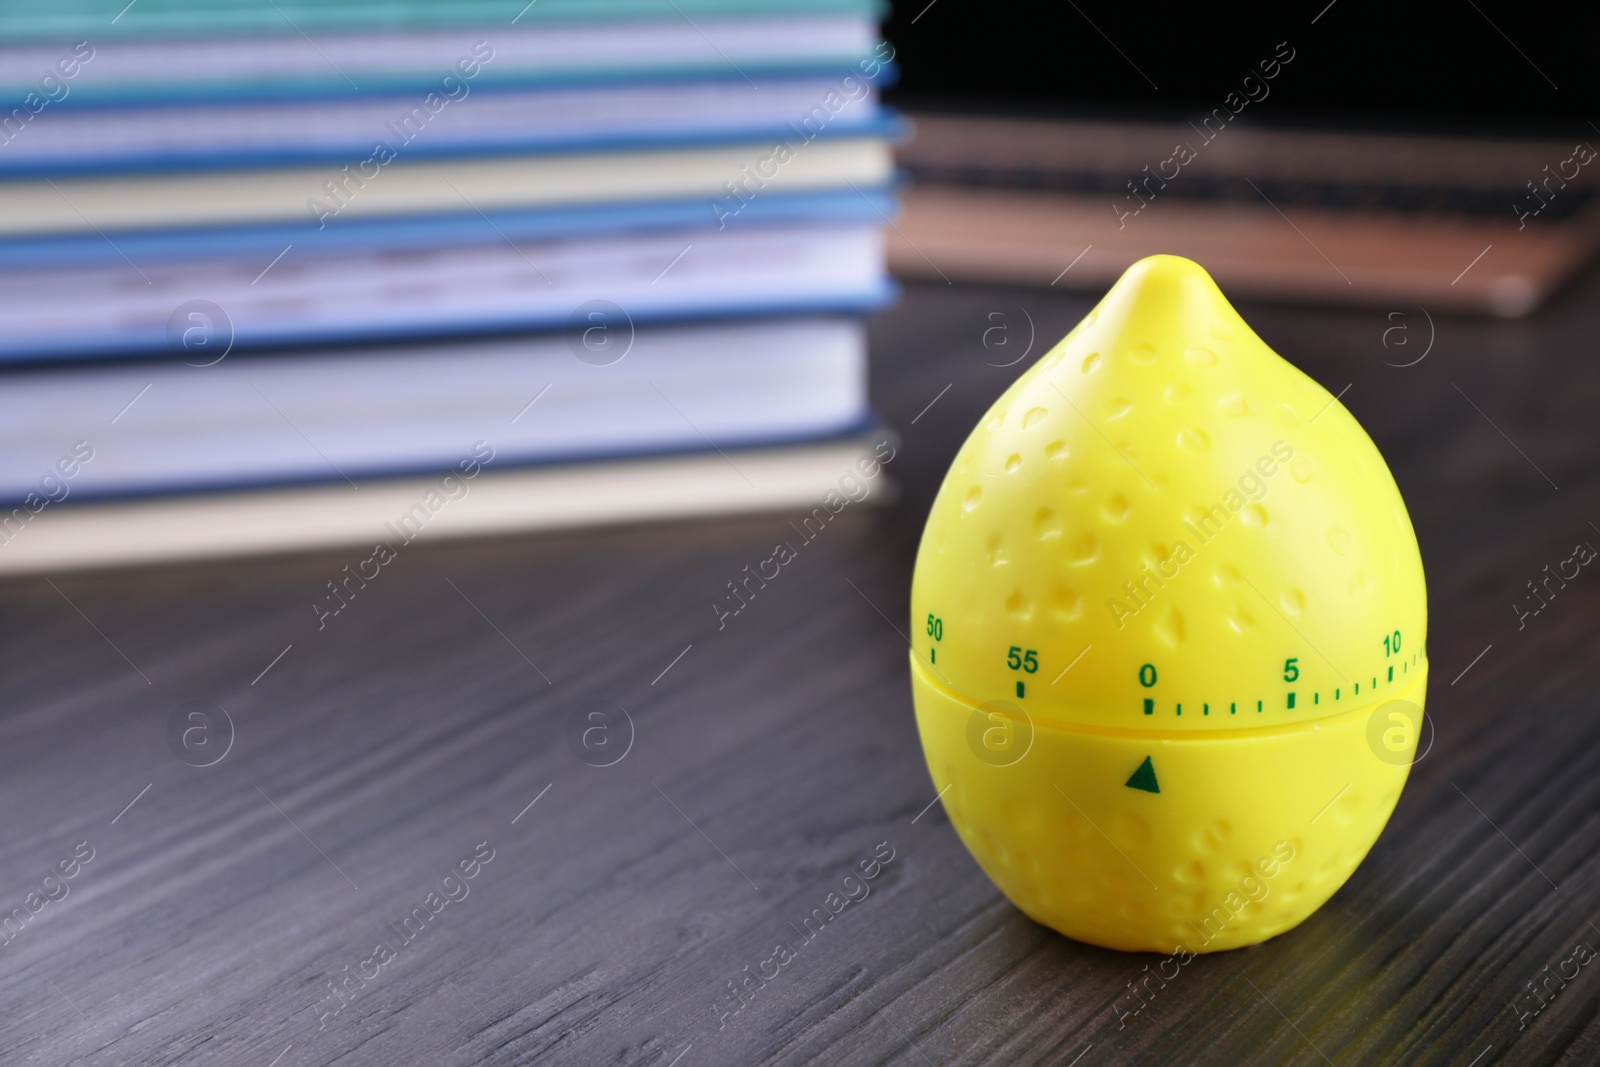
[{"x": 1374, "y": 219}]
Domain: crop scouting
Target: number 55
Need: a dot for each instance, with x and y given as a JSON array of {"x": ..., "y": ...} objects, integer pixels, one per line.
[{"x": 1018, "y": 660}]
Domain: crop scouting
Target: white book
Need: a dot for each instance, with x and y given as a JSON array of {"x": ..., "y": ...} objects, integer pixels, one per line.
[
  {"x": 353, "y": 416},
  {"x": 198, "y": 307},
  {"x": 818, "y": 479},
  {"x": 413, "y": 186}
]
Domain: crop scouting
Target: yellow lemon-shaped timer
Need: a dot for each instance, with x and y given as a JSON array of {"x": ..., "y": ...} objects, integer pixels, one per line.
[{"x": 1170, "y": 630}]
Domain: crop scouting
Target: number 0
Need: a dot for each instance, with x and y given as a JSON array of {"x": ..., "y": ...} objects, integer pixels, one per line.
[{"x": 1147, "y": 675}]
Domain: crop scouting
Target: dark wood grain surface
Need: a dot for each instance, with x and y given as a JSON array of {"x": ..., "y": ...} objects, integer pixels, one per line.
[{"x": 622, "y": 912}]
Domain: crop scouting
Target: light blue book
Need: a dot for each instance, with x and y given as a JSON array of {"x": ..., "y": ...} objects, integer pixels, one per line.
[{"x": 227, "y": 134}]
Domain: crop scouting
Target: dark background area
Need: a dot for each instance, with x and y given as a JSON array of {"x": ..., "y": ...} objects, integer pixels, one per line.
[{"x": 1363, "y": 63}]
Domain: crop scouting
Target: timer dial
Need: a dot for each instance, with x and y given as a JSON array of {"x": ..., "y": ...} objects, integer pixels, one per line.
[{"x": 1164, "y": 594}]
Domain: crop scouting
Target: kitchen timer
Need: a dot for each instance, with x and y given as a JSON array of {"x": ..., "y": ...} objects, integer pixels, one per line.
[{"x": 1169, "y": 630}]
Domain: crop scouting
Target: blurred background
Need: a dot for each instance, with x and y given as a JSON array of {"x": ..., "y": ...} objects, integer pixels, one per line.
[
  {"x": 1398, "y": 142},
  {"x": 257, "y": 254}
]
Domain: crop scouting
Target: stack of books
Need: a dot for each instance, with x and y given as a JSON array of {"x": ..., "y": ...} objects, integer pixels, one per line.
[{"x": 269, "y": 271}]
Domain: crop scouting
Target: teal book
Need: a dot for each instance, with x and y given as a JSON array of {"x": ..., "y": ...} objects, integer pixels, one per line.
[{"x": 98, "y": 20}]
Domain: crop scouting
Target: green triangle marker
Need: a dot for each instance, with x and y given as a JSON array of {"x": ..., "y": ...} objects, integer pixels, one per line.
[{"x": 1144, "y": 778}]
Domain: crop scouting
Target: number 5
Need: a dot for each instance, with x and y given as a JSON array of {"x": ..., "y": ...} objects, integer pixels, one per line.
[{"x": 1291, "y": 669}]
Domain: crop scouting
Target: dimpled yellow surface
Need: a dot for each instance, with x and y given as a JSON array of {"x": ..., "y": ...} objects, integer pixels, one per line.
[{"x": 1169, "y": 630}]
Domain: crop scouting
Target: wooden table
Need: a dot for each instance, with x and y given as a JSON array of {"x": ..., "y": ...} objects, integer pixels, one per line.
[{"x": 442, "y": 717}]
